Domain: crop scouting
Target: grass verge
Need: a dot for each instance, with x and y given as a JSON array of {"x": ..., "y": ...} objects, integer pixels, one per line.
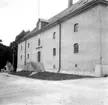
[{"x": 49, "y": 75}]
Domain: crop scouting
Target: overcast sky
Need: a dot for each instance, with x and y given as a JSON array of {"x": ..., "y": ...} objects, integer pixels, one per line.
[{"x": 18, "y": 15}]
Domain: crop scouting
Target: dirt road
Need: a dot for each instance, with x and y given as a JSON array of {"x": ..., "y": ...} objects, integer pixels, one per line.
[{"x": 16, "y": 90}]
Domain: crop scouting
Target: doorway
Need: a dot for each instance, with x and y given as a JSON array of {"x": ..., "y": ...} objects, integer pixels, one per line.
[{"x": 39, "y": 56}]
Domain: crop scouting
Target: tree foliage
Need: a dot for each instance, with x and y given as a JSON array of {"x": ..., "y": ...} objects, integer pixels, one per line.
[
  {"x": 18, "y": 38},
  {"x": 21, "y": 35},
  {"x": 14, "y": 45},
  {"x": 0, "y": 40}
]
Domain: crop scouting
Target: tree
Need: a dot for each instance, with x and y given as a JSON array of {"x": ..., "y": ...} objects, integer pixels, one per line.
[
  {"x": 5, "y": 55},
  {"x": 14, "y": 46},
  {"x": 21, "y": 35},
  {"x": 0, "y": 40}
]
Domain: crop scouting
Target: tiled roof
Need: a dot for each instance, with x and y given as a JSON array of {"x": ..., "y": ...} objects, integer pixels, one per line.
[
  {"x": 30, "y": 33},
  {"x": 35, "y": 29},
  {"x": 69, "y": 10},
  {"x": 66, "y": 12}
]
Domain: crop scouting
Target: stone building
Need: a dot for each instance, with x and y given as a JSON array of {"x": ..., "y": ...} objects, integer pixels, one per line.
[{"x": 73, "y": 41}]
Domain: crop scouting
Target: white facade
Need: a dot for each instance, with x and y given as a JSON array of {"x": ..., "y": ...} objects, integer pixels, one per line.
[
  {"x": 21, "y": 55},
  {"x": 88, "y": 38},
  {"x": 91, "y": 36},
  {"x": 47, "y": 43},
  {"x": 104, "y": 37}
]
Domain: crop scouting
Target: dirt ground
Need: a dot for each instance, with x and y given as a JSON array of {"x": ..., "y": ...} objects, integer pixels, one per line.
[{"x": 15, "y": 90}]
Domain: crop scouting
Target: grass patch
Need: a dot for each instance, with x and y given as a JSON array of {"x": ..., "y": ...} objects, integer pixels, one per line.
[{"x": 49, "y": 75}]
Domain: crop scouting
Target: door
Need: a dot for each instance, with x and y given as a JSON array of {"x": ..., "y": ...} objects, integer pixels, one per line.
[{"x": 39, "y": 56}]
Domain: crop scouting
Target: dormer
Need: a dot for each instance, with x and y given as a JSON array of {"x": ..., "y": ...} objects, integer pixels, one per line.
[{"x": 42, "y": 23}]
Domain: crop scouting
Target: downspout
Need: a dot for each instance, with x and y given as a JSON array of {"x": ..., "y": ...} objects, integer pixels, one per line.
[
  {"x": 100, "y": 43},
  {"x": 25, "y": 52},
  {"x": 59, "y": 47}
]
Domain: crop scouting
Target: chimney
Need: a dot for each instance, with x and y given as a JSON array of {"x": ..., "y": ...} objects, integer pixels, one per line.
[{"x": 70, "y": 2}]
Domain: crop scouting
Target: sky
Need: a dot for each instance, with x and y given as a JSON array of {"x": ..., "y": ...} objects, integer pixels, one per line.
[{"x": 18, "y": 15}]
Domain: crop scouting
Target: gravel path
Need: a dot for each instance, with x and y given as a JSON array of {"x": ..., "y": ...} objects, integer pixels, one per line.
[{"x": 16, "y": 90}]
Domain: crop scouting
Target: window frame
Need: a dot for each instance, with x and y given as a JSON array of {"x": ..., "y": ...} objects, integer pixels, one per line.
[
  {"x": 54, "y": 66},
  {"x": 54, "y": 51},
  {"x": 21, "y": 48},
  {"x": 28, "y": 56},
  {"x": 21, "y": 57},
  {"x": 76, "y": 27},
  {"x": 76, "y": 65},
  {"x": 54, "y": 35},
  {"x": 39, "y": 42},
  {"x": 76, "y": 48},
  {"x": 28, "y": 45},
  {"x": 39, "y": 56}
]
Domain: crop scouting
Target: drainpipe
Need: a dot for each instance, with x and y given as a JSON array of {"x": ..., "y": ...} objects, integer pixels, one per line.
[
  {"x": 101, "y": 68},
  {"x": 59, "y": 47},
  {"x": 25, "y": 52}
]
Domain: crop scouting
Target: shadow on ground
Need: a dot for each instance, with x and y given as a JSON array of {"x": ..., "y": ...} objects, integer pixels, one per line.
[{"x": 49, "y": 75}]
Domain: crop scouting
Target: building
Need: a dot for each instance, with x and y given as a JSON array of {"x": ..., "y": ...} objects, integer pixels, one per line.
[{"x": 74, "y": 41}]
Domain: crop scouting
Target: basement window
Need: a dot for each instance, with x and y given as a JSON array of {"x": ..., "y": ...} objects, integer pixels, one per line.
[{"x": 76, "y": 65}]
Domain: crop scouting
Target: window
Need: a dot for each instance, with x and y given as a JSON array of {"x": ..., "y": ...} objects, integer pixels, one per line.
[
  {"x": 54, "y": 51},
  {"x": 76, "y": 27},
  {"x": 75, "y": 65},
  {"x": 28, "y": 56},
  {"x": 54, "y": 35},
  {"x": 54, "y": 67},
  {"x": 21, "y": 57},
  {"x": 39, "y": 56},
  {"x": 39, "y": 42},
  {"x": 76, "y": 48},
  {"x": 21, "y": 47},
  {"x": 28, "y": 45}
]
